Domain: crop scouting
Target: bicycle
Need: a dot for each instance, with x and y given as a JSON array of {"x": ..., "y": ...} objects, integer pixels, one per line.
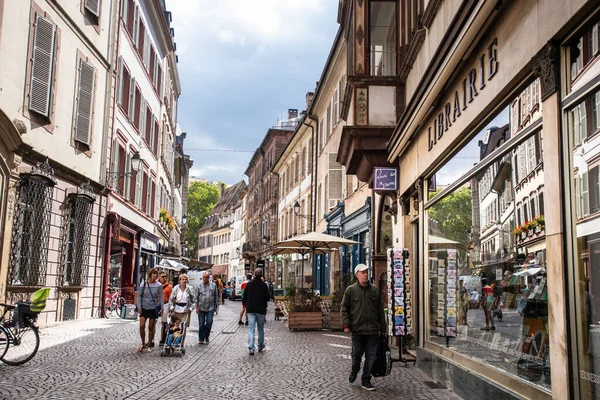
[
  {"x": 19, "y": 338},
  {"x": 113, "y": 302}
]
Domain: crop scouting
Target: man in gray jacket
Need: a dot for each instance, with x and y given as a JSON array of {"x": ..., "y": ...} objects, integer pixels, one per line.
[
  {"x": 207, "y": 304},
  {"x": 362, "y": 314}
]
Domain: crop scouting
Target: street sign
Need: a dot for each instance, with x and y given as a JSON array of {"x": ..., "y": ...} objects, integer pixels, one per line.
[
  {"x": 385, "y": 178},
  {"x": 260, "y": 263}
]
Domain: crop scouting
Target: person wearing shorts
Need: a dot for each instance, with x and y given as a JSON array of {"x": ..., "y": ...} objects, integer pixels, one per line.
[
  {"x": 150, "y": 306},
  {"x": 243, "y": 312}
]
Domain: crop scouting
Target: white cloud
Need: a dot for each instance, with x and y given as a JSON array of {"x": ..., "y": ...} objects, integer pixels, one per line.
[{"x": 244, "y": 21}]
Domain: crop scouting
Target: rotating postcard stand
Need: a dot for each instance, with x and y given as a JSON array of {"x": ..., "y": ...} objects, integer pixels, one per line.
[
  {"x": 399, "y": 303},
  {"x": 447, "y": 311}
]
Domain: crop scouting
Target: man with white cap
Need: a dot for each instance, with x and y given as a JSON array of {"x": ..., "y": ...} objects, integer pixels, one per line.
[{"x": 362, "y": 314}]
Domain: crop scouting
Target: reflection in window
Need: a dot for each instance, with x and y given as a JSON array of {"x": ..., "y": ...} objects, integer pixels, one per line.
[
  {"x": 487, "y": 254},
  {"x": 382, "y": 37}
]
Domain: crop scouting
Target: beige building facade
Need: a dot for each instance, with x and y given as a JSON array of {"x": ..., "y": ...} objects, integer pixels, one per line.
[{"x": 55, "y": 88}]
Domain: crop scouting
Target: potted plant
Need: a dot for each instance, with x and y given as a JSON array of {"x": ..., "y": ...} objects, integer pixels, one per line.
[
  {"x": 541, "y": 222},
  {"x": 531, "y": 227},
  {"x": 304, "y": 309}
]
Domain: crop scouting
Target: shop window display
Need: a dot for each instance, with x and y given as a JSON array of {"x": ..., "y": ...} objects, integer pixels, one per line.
[
  {"x": 585, "y": 144},
  {"x": 488, "y": 298}
]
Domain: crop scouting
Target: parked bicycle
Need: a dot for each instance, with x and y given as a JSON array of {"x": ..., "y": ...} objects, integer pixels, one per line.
[
  {"x": 19, "y": 336},
  {"x": 113, "y": 302}
]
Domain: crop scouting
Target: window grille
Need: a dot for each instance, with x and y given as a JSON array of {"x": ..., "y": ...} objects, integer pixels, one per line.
[
  {"x": 78, "y": 230},
  {"x": 31, "y": 229}
]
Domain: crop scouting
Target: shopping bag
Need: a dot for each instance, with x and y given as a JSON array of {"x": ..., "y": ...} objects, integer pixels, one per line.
[{"x": 383, "y": 360}]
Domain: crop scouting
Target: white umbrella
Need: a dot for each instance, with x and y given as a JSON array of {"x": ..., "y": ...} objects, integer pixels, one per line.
[
  {"x": 314, "y": 242},
  {"x": 300, "y": 250}
]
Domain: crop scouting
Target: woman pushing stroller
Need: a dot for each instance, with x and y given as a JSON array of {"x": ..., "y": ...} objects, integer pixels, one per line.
[{"x": 181, "y": 303}]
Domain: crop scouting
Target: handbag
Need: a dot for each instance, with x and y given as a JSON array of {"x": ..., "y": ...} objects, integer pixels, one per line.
[
  {"x": 383, "y": 361},
  {"x": 157, "y": 308}
]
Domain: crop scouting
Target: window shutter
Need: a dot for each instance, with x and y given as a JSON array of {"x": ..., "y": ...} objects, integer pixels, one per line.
[
  {"x": 132, "y": 186},
  {"x": 130, "y": 16},
  {"x": 138, "y": 189},
  {"x": 121, "y": 169},
  {"x": 141, "y": 42},
  {"x": 131, "y": 103},
  {"x": 93, "y": 6},
  {"x": 85, "y": 103},
  {"x": 335, "y": 180},
  {"x": 137, "y": 107},
  {"x": 136, "y": 26},
  {"x": 127, "y": 188},
  {"x": 151, "y": 68},
  {"x": 43, "y": 66},
  {"x": 144, "y": 191},
  {"x": 148, "y": 126},
  {"x": 120, "y": 82},
  {"x": 156, "y": 133},
  {"x": 152, "y": 206},
  {"x": 142, "y": 117}
]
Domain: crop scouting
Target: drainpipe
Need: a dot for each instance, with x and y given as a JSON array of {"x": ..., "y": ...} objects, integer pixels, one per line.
[
  {"x": 102, "y": 178},
  {"x": 315, "y": 141}
]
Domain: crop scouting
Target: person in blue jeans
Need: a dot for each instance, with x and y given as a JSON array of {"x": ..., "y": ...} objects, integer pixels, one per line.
[
  {"x": 255, "y": 298},
  {"x": 362, "y": 314},
  {"x": 207, "y": 304},
  {"x": 174, "y": 337}
]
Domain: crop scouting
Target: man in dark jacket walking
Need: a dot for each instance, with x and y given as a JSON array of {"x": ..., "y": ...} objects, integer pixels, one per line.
[
  {"x": 362, "y": 314},
  {"x": 255, "y": 297}
]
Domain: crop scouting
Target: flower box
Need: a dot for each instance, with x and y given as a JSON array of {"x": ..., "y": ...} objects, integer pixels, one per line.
[
  {"x": 335, "y": 321},
  {"x": 305, "y": 320}
]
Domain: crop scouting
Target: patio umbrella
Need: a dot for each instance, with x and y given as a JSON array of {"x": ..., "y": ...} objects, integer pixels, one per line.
[{"x": 314, "y": 242}]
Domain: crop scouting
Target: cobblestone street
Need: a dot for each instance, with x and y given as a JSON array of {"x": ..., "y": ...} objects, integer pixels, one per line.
[{"x": 97, "y": 359}]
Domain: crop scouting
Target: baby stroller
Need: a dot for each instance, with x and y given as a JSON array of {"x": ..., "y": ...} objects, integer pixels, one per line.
[{"x": 174, "y": 344}]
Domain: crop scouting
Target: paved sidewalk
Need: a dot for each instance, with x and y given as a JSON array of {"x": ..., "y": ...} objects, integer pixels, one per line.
[{"x": 97, "y": 359}]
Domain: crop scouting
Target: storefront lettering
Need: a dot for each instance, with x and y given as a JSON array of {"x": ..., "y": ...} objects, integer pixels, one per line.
[{"x": 468, "y": 92}]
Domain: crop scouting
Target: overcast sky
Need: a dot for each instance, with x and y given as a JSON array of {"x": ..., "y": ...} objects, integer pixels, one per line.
[{"x": 242, "y": 64}]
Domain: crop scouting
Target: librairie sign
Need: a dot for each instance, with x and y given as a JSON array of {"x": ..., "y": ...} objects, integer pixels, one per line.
[
  {"x": 465, "y": 93},
  {"x": 386, "y": 178}
]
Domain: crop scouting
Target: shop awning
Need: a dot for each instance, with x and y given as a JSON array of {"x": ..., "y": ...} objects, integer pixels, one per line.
[
  {"x": 171, "y": 264},
  {"x": 197, "y": 265},
  {"x": 529, "y": 272}
]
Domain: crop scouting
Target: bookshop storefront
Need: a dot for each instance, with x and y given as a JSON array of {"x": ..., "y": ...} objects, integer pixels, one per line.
[{"x": 481, "y": 179}]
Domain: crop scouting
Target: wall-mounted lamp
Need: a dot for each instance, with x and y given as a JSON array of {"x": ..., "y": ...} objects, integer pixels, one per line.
[{"x": 136, "y": 164}]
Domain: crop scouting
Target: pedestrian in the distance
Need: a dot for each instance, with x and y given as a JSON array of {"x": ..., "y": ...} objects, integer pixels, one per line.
[
  {"x": 271, "y": 290},
  {"x": 207, "y": 305},
  {"x": 167, "y": 289},
  {"x": 362, "y": 314},
  {"x": 243, "y": 312},
  {"x": 150, "y": 306},
  {"x": 256, "y": 296}
]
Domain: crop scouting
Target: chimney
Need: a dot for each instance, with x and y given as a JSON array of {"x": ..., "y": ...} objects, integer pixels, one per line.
[
  {"x": 310, "y": 96},
  {"x": 292, "y": 113},
  {"x": 222, "y": 188}
]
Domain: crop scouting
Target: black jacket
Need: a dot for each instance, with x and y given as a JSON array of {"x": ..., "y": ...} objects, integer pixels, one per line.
[{"x": 256, "y": 296}]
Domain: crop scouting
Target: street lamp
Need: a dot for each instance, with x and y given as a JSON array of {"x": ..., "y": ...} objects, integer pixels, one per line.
[
  {"x": 308, "y": 217},
  {"x": 136, "y": 164},
  {"x": 184, "y": 220}
]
